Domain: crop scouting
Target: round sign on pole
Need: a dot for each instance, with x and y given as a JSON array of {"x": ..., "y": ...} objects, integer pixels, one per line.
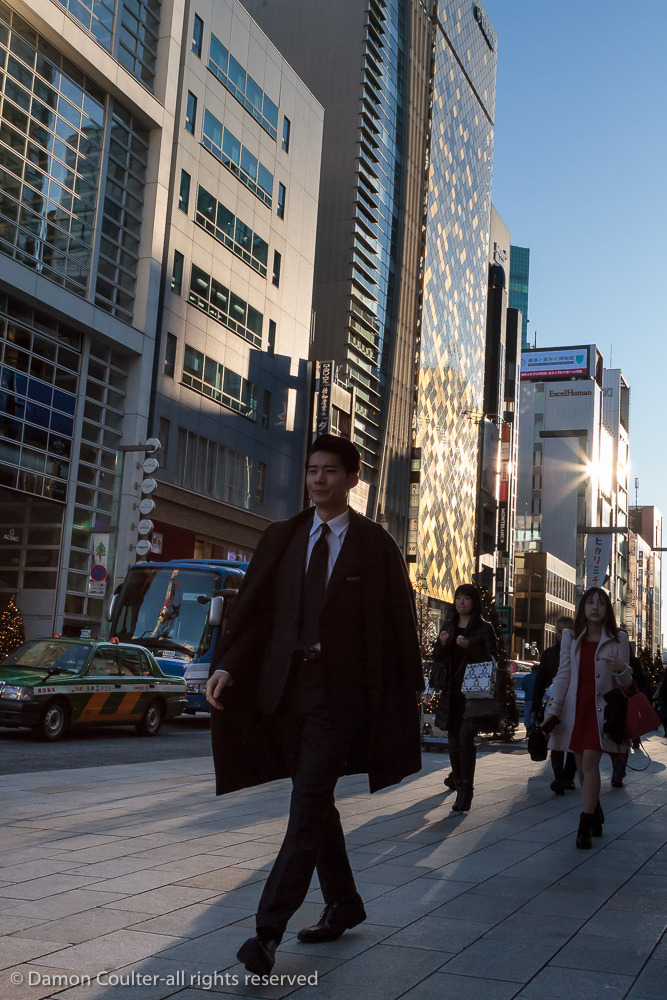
[
  {"x": 143, "y": 547},
  {"x": 148, "y": 486},
  {"x": 98, "y": 573},
  {"x": 145, "y": 526},
  {"x": 147, "y": 506},
  {"x": 150, "y": 465},
  {"x": 152, "y": 444}
]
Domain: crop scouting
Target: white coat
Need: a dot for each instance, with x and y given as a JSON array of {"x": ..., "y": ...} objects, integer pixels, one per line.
[{"x": 563, "y": 700}]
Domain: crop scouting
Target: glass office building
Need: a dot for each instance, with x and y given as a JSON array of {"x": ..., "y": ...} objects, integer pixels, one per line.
[{"x": 519, "y": 280}]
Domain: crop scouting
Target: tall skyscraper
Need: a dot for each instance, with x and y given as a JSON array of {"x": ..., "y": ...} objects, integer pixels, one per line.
[
  {"x": 519, "y": 282},
  {"x": 408, "y": 88}
]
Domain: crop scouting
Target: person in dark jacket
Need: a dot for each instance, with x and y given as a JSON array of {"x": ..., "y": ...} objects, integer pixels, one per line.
[
  {"x": 465, "y": 638},
  {"x": 563, "y": 764},
  {"x": 316, "y": 676},
  {"x": 619, "y": 761}
]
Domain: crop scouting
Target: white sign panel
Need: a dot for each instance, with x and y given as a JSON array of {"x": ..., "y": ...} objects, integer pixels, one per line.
[{"x": 598, "y": 554}]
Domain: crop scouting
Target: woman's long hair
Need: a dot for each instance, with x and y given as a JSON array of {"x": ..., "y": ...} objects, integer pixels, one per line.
[
  {"x": 467, "y": 590},
  {"x": 580, "y": 621}
]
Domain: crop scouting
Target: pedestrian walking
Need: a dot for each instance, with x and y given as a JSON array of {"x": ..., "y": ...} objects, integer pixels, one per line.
[
  {"x": 619, "y": 760},
  {"x": 465, "y": 638},
  {"x": 563, "y": 764},
  {"x": 594, "y": 658},
  {"x": 322, "y": 646}
]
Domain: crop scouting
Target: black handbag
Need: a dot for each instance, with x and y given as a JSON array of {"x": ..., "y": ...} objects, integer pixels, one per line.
[{"x": 537, "y": 743}]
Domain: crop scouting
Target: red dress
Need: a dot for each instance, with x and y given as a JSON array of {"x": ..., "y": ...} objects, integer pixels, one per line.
[{"x": 586, "y": 732}]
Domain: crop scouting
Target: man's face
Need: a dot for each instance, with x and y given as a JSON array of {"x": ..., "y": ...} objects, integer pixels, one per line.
[{"x": 327, "y": 481}]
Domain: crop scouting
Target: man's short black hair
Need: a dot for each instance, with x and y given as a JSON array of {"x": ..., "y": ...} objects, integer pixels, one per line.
[{"x": 345, "y": 450}]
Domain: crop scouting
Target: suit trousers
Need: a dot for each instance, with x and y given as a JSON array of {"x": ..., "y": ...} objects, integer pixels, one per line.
[{"x": 315, "y": 751}]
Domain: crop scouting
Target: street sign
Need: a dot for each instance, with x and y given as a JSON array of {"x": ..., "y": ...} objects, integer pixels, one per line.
[
  {"x": 143, "y": 547},
  {"x": 96, "y": 588},
  {"x": 505, "y": 619},
  {"x": 145, "y": 526},
  {"x": 147, "y": 506},
  {"x": 148, "y": 486},
  {"x": 98, "y": 573},
  {"x": 150, "y": 465}
]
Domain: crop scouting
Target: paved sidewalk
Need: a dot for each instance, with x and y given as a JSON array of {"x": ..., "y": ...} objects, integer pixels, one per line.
[{"x": 140, "y": 871}]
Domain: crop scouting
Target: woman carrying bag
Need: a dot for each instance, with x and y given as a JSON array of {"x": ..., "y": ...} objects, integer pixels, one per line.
[
  {"x": 466, "y": 638},
  {"x": 594, "y": 659}
]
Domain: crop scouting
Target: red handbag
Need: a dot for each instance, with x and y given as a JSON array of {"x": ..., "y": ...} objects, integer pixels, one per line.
[{"x": 642, "y": 718}]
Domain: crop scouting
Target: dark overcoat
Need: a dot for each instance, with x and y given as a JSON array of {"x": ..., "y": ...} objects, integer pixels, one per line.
[{"x": 369, "y": 585}]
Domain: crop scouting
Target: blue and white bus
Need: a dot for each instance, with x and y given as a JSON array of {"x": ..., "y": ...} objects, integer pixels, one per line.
[{"x": 177, "y": 609}]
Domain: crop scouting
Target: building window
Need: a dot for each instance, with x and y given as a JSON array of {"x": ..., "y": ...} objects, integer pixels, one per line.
[
  {"x": 266, "y": 408},
  {"x": 138, "y": 38},
  {"x": 242, "y": 86},
  {"x": 286, "y": 132},
  {"x": 170, "y": 356},
  {"x": 184, "y": 193},
  {"x": 271, "y": 345},
  {"x": 211, "y": 469},
  {"x": 261, "y": 482},
  {"x": 163, "y": 438},
  {"x": 282, "y": 192},
  {"x": 276, "y": 268},
  {"x": 222, "y": 385},
  {"x": 197, "y": 35},
  {"x": 232, "y": 311},
  {"x": 191, "y": 113},
  {"x": 225, "y": 227},
  {"x": 224, "y": 145},
  {"x": 177, "y": 273}
]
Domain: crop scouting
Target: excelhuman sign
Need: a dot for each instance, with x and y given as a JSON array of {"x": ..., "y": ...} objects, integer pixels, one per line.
[{"x": 560, "y": 362}]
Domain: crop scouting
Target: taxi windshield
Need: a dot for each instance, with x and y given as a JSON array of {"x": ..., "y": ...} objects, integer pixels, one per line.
[
  {"x": 50, "y": 654},
  {"x": 166, "y": 609}
]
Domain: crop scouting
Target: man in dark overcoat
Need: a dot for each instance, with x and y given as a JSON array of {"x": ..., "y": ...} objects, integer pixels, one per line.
[{"x": 316, "y": 676}]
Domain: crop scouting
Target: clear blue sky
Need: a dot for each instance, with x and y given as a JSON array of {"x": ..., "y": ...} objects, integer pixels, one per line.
[{"x": 580, "y": 177}]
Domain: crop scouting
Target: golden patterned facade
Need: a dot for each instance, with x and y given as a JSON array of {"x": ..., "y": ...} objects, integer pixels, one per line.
[{"x": 453, "y": 324}]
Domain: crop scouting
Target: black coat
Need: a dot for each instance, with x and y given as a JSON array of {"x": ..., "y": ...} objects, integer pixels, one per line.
[
  {"x": 369, "y": 591},
  {"x": 483, "y": 646}
]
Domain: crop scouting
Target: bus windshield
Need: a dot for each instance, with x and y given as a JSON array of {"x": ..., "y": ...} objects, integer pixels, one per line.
[{"x": 166, "y": 608}]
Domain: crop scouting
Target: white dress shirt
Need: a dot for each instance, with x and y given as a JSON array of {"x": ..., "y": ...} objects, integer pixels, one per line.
[{"x": 337, "y": 530}]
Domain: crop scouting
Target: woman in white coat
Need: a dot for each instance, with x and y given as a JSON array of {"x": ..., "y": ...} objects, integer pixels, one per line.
[{"x": 594, "y": 657}]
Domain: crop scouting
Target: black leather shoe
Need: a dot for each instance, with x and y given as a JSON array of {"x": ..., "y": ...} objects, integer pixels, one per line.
[
  {"x": 450, "y": 782},
  {"x": 258, "y": 956},
  {"x": 558, "y": 786},
  {"x": 336, "y": 918}
]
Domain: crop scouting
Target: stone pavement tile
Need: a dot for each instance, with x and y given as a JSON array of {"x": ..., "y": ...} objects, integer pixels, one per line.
[
  {"x": 36, "y": 869},
  {"x": 111, "y": 868},
  {"x": 327, "y": 990},
  {"x": 552, "y": 928},
  {"x": 163, "y": 900},
  {"x": 36, "y": 983},
  {"x": 388, "y": 873},
  {"x": 223, "y": 879},
  {"x": 609, "y": 923},
  {"x": 392, "y": 968},
  {"x": 24, "y": 949},
  {"x": 111, "y": 951},
  {"x": 553, "y": 983},
  {"x": 193, "y": 921},
  {"x": 566, "y": 903},
  {"x": 186, "y": 867},
  {"x": 83, "y": 841},
  {"x": 134, "y": 882},
  {"x": 10, "y": 924},
  {"x": 634, "y": 900},
  {"x": 443, "y": 986},
  {"x": 512, "y": 961},
  {"x": 438, "y": 934},
  {"x": 487, "y": 911},
  {"x": 47, "y": 885},
  {"x": 382, "y": 850},
  {"x": 409, "y": 902},
  {"x": 243, "y": 896},
  {"x": 82, "y": 926},
  {"x": 500, "y": 885},
  {"x": 63, "y": 904},
  {"x": 598, "y": 954},
  {"x": 650, "y": 984}
]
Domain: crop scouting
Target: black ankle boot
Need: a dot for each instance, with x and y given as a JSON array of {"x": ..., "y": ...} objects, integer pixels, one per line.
[
  {"x": 585, "y": 831},
  {"x": 463, "y": 797},
  {"x": 598, "y": 820}
]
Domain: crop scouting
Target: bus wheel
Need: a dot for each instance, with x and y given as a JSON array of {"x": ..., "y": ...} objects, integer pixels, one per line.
[
  {"x": 152, "y": 720},
  {"x": 53, "y": 722}
]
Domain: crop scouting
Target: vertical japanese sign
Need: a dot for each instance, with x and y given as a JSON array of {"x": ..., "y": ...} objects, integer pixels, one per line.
[
  {"x": 324, "y": 397},
  {"x": 598, "y": 554}
]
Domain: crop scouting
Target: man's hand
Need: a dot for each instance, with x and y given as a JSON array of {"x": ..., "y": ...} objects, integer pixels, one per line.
[
  {"x": 218, "y": 680},
  {"x": 444, "y": 637}
]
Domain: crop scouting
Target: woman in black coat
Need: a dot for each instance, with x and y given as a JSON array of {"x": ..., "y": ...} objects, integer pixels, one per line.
[{"x": 465, "y": 638}]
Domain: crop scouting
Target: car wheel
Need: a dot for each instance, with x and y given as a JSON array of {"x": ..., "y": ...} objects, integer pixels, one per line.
[
  {"x": 53, "y": 722},
  {"x": 151, "y": 721}
]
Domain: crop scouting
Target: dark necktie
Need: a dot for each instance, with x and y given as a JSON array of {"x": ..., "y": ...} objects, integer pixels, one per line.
[{"x": 314, "y": 585}]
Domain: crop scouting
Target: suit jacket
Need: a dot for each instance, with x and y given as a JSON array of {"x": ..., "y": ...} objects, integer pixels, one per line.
[
  {"x": 370, "y": 649},
  {"x": 563, "y": 700}
]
